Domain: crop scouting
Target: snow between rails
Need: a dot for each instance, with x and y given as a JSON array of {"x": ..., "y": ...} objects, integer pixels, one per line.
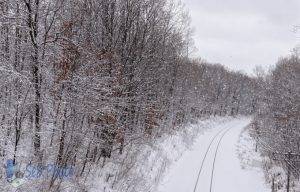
[{"x": 229, "y": 175}]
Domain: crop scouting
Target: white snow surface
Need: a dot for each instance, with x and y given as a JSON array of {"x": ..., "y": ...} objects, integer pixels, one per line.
[
  {"x": 172, "y": 163},
  {"x": 144, "y": 166},
  {"x": 230, "y": 172}
]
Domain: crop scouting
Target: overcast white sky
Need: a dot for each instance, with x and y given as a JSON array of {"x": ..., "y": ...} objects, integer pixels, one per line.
[{"x": 241, "y": 34}]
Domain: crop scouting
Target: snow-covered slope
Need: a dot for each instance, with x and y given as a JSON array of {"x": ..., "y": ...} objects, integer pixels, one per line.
[{"x": 145, "y": 165}]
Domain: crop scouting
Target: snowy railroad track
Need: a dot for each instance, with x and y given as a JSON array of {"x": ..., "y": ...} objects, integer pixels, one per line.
[
  {"x": 215, "y": 163},
  {"x": 214, "y": 153}
]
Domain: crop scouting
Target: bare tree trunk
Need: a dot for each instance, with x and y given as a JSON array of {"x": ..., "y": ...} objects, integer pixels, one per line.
[{"x": 33, "y": 22}]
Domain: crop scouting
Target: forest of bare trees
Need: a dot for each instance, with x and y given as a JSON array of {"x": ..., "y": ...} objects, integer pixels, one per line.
[
  {"x": 277, "y": 121},
  {"x": 82, "y": 80}
]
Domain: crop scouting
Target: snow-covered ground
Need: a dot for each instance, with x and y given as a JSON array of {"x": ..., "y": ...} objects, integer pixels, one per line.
[
  {"x": 230, "y": 173},
  {"x": 144, "y": 166}
]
